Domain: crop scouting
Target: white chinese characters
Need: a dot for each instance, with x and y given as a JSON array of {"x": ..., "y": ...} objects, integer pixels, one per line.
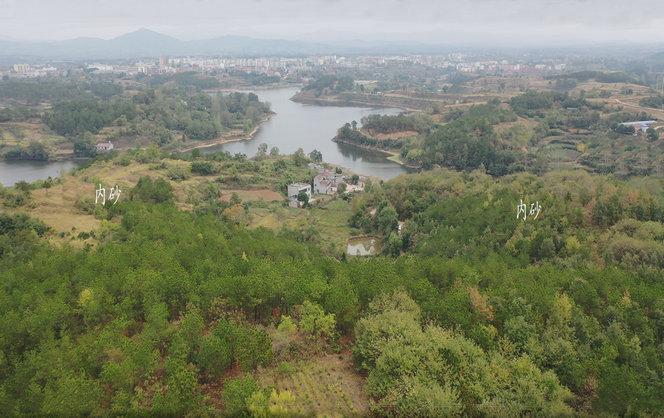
[
  {"x": 113, "y": 195},
  {"x": 522, "y": 211}
]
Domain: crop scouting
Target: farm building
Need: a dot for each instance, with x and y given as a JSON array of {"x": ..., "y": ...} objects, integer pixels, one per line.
[
  {"x": 327, "y": 182},
  {"x": 104, "y": 146},
  {"x": 294, "y": 190},
  {"x": 640, "y": 126}
]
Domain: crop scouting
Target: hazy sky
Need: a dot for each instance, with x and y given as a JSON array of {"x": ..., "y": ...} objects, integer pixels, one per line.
[{"x": 435, "y": 21}]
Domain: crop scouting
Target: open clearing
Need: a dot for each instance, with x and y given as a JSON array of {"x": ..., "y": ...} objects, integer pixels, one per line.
[
  {"x": 325, "y": 223},
  {"x": 325, "y": 386},
  {"x": 56, "y": 207},
  {"x": 330, "y": 220},
  {"x": 253, "y": 195},
  {"x": 20, "y": 134}
]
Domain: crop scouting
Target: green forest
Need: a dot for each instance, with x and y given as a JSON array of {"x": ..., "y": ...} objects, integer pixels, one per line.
[
  {"x": 535, "y": 131},
  {"x": 469, "y": 311},
  {"x": 516, "y": 267},
  {"x": 155, "y": 110}
]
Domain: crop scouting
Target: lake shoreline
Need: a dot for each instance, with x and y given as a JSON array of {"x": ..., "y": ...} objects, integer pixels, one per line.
[
  {"x": 289, "y": 126},
  {"x": 249, "y": 89},
  {"x": 226, "y": 140},
  {"x": 389, "y": 155},
  {"x": 317, "y": 101},
  {"x": 304, "y": 98},
  {"x": 188, "y": 146}
]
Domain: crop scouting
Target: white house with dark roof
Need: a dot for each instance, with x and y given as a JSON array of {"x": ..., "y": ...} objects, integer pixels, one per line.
[{"x": 104, "y": 146}]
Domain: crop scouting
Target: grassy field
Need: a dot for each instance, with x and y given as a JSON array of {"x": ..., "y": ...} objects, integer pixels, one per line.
[
  {"x": 109, "y": 173},
  {"x": 13, "y": 134},
  {"x": 593, "y": 88},
  {"x": 325, "y": 386},
  {"x": 326, "y": 222},
  {"x": 266, "y": 195},
  {"x": 330, "y": 219},
  {"x": 56, "y": 207}
]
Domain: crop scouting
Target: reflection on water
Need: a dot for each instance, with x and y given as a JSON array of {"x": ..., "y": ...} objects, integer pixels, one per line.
[
  {"x": 11, "y": 172},
  {"x": 354, "y": 153},
  {"x": 294, "y": 126},
  {"x": 312, "y": 127}
]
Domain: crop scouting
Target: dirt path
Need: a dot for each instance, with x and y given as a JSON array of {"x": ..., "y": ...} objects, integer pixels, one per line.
[{"x": 657, "y": 112}]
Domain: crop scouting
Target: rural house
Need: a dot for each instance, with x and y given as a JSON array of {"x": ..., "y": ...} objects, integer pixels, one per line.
[
  {"x": 639, "y": 126},
  {"x": 327, "y": 182},
  {"x": 104, "y": 146},
  {"x": 294, "y": 190}
]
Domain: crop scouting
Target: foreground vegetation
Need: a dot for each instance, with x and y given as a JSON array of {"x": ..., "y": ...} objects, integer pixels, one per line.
[
  {"x": 200, "y": 293},
  {"x": 176, "y": 312},
  {"x": 242, "y": 191}
]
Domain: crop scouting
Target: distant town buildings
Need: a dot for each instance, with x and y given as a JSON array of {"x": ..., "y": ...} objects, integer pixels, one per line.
[
  {"x": 29, "y": 71},
  {"x": 21, "y": 68},
  {"x": 100, "y": 68},
  {"x": 301, "y": 68},
  {"x": 359, "y": 187}
]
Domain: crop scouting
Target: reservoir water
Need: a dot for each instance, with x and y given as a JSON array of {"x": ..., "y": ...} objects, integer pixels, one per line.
[
  {"x": 11, "y": 172},
  {"x": 293, "y": 126},
  {"x": 310, "y": 127}
]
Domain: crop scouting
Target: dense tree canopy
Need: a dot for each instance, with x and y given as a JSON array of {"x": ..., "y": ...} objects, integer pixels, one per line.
[
  {"x": 154, "y": 112},
  {"x": 170, "y": 300},
  {"x": 501, "y": 288},
  {"x": 395, "y": 123}
]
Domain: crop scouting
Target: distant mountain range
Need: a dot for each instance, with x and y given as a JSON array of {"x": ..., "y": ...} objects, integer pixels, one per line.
[{"x": 147, "y": 43}]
